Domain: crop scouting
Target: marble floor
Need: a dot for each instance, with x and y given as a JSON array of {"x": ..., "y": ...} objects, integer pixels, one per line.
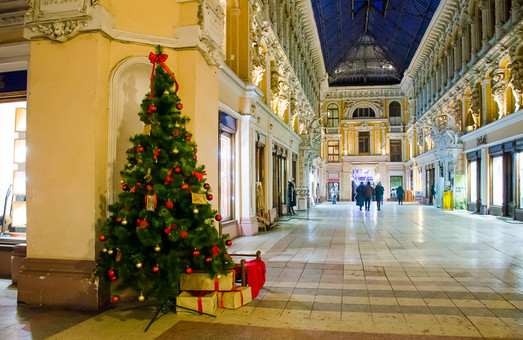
[{"x": 409, "y": 270}]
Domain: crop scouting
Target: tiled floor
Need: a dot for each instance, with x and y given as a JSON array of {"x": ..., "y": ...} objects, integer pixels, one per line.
[{"x": 407, "y": 269}]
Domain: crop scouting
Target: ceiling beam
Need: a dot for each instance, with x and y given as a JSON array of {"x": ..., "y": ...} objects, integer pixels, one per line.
[{"x": 367, "y": 16}]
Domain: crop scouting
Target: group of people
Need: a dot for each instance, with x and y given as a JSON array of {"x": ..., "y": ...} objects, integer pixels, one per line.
[{"x": 364, "y": 195}]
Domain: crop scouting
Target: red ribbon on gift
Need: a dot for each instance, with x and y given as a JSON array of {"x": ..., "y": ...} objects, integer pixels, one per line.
[
  {"x": 200, "y": 306},
  {"x": 160, "y": 59},
  {"x": 216, "y": 285}
]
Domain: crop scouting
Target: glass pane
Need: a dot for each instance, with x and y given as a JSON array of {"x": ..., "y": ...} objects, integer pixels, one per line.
[
  {"x": 225, "y": 176},
  {"x": 473, "y": 181},
  {"x": 520, "y": 190},
  {"x": 497, "y": 181}
]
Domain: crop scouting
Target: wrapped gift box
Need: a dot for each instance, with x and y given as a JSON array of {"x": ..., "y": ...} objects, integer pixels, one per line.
[
  {"x": 200, "y": 281},
  {"x": 203, "y": 302},
  {"x": 236, "y": 298}
]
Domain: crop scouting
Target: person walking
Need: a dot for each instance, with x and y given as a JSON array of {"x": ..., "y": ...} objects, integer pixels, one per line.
[
  {"x": 318, "y": 193},
  {"x": 379, "y": 194},
  {"x": 291, "y": 197},
  {"x": 368, "y": 191},
  {"x": 334, "y": 192},
  {"x": 399, "y": 193},
  {"x": 359, "y": 195}
]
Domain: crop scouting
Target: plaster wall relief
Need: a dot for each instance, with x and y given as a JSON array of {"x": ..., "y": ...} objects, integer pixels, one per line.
[
  {"x": 58, "y": 20},
  {"x": 515, "y": 81},
  {"x": 351, "y": 139},
  {"x": 474, "y": 109},
  {"x": 498, "y": 91}
]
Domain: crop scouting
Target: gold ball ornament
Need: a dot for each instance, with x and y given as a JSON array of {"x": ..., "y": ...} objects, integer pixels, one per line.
[
  {"x": 104, "y": 250},
  {"x": 218, "y": 276},
  {"x": 129, "y": 165},
  {"x": 122, "y": 181},
  {"x": 138, "y": 265},
  {"x": 157, "y": 248},
  {"x": 124, "y": 222},
  {"x": 166, "y": 92},
  {"x": 195, "y": 211},
  {"x": 177, "y": 125},
  {"x": 141, "y": 298},
  {"x": 110, "y": 252},
  {"x": 175, "y": 151}
]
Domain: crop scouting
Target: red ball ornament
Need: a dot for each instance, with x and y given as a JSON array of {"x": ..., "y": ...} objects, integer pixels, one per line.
[
  {"x": 206, "y": 185},
  {"x": 195, "y": 157},
  {"x": 196, "y": 253},
  {"x": 228, "y": 243},
  {"x": 179, "y": 106},
  {"x": 115, "y": 299},
  {"x": 209, "y": 197},
  {"x": 118, "y": 219},
  {"x": 125, "y": 187},
  {"x": 188, "y": 270},
  {"x": 139, "y": 149},
  {"x": 185, "y": 186},
  {"x": 152, "y": 108},
  {"x": 114, "y": 278},
  {"x": 177, "y": 170},
  {"x": 110, "y": 272},
  {"x": 183, "y": 234},
  {"x": 188, "y": 138},
  {"x": 101, "y": 237},
  {"x": 169, "y": 204},
  {"x": 218, "y": 218},
  {"x": 149, "y": 187},
  {"x": 208, "y": 259},
  {"x": 156, "y": 269}
]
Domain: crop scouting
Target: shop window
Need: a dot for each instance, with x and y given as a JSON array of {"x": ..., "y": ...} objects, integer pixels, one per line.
[
  {"x": 473, "y": 175},
  {"x": 363, "y": 112},
  {"x": 226, "y": 166},
  {"x": 333, "y": 151},
  {"x": 333, "y": 115},
  {"x": 363, "y": 142},
  {"x": 497, "y": 181},
  {"x": 13, "y": 218},
  {"x": 520, "y": 181},
  {"x": 395, "y": 150}
]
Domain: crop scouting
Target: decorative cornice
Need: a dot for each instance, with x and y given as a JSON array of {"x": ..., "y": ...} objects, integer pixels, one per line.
[{"x": 365, "y": 92}]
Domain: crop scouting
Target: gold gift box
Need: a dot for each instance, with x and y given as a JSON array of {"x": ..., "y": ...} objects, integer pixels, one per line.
[
  {"x": 203, "y": 302},
  {"x": 202, "y": 282},
  {"x": 236, "y": 298}
]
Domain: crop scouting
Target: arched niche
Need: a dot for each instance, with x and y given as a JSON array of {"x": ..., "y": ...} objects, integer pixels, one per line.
[{"x": 129, "y": 82}]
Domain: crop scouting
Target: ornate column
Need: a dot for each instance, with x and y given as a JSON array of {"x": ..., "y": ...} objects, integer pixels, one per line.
[
  {"x": 356, "y": 142},
  {"x": 383, "y": 140},
  {"x": 515, "y": 82},
  {"x": 371, "y": 140},
  {"x": 465, "y": 43},
  {"x": 351, "y": 140},
  {"x": 346, "y": 140},
  {"x": 485, "y": 109}
]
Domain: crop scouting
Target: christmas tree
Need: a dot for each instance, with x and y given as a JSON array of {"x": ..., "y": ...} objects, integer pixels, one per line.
[{"x": 162, "y": 223}]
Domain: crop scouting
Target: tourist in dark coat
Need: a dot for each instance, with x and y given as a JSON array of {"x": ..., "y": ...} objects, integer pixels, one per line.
[
  {"x": 399, "y": 193},
  {"x": 291, "y": 197},
  {"x": 359, "y": 195},
  {"x": 379, "y": 194},
  {"x": 368, "y": 191}
]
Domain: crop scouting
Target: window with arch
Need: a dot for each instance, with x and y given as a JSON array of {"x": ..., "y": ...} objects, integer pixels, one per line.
[
  {"x": 333, "y": 115},
  {"x": 395, "y": 113},
  {"x": 363, "y": 112}
]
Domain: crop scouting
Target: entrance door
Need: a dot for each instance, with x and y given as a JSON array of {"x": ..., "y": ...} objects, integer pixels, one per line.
[
  {"x": 329, "y": 188},
  {"x": 429, "y": 183}
]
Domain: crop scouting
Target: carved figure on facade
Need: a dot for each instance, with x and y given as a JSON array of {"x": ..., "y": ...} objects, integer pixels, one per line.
[
  {"x": 443, "y": 140},
  {"x": 498, "y": 91},
  {"x": 474, "y": 108},
  {"x": 60, "y": 30},
  {"x": 279, "y": 94},
  {"x": 515, "y": 82},
  {"x": 348, "y": 108}
]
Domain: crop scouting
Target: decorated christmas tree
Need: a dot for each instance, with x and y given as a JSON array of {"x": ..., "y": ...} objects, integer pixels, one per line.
[{"x": 162, "y": 224}]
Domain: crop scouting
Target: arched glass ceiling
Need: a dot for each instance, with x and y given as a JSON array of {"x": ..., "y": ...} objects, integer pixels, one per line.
[{"x": 370, "y": 42}]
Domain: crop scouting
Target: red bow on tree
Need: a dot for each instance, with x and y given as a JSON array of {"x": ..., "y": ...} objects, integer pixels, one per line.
[
  {"x": 215, "y": 250},
  {"x": 169, "y": 179},
  {"x": 160, "y": 59},
  {"x": 198, "y": 175}
]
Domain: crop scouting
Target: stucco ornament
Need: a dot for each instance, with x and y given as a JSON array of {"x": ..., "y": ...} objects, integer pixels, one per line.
[
  {"x": 58, "y": 20},
  {"x": 279, "y": 96},
  {"x": 474, "y": 108},
  {"x": 515, "y": 82},
  {"x": 498, "y": 91}
]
